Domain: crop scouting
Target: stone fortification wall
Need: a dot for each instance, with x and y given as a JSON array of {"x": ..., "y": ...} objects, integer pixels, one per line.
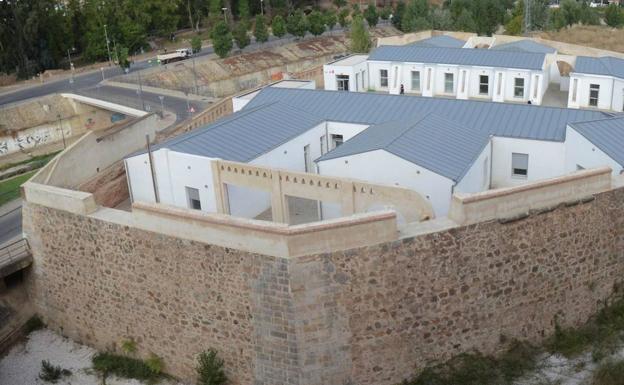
[{"x": 371, "y": 315}]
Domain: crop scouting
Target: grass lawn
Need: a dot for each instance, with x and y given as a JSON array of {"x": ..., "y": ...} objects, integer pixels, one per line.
[{"x": 10, "y": 188}]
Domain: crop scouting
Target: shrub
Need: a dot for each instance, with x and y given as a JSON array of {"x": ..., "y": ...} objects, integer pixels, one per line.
[
  {"x": 297, "y": 24},
  {"x": 240, "y": 35},
  {"x": 155, "y": 363},
  {"x": 316, "y": 23},
  {"x": 360, "y": 38},
  {"x": 278, "y": 26},
  {"x": 33, "y": 323},
  {"x": 196, "y": 44},
  {"x": 210, "y": 369},
  {"x": 261, "y": 33},
  {"x": 608, "y": 373},
  {"x": 221, "y": 39},
  {"x": 52, "y": 373},
  {"x": 121, "y": 366},
  {"x": 129, "y": 346},
  {"x": 371, "y": 15}
]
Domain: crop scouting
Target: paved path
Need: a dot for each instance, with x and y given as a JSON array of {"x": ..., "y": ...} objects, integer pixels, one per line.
[{"x": 10, "y": 221}]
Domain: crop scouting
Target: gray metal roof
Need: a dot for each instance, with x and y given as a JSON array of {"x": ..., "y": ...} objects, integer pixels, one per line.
[
  {"x": 440, "y": 41},
  {"x": 433, "y": 142},
  {"x": 460, "y": 56},
  {"x": 245, "y": 135},
  {"x": 483, "y": 118},
  {"x": 525, "y": 46},
  {"x": 606, "y": 134},
  {"x": 607, "y": 65}
]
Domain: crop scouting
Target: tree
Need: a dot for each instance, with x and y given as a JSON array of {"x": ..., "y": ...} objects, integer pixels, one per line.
[
  {"x": 340, "y": 3},
  {"x": 416, "y": 16},
  {"x": 465, "y": 22},
  {"x": 243, "y": 9},
  {"x": 196, "y": 44},
  {"x": 214, "y": 10},
  {"x": 360, "y": 38},
  {"x": 442, "y": 20},
  {"x": 240, "y": 35},
  {"x": 261, "y": 32},
  {"x": 614, "y": 16},
  {"x": 343, "y": 18},
  {"x": 488, "y": 15},
  {"x": 278, "y": 26},
  {"x": 210, "y": 369},
  {"x": 316, "y": 23},
  {"x": 514, "y": 25},
  {"x": 571, "y": 11},
  {"x": 385, "y": 13},
  {"x": 557, "y": 19},
  {"x": 370, "y": 14},
  {"x": 589, "y": 16},
  {"x": 296, "y": 24},
  {"x": 399, "y": 14},
  {"x": 122, "y": 55},
  {"x": 221, "y": 39},
  {"x": 330, "y": 19}
]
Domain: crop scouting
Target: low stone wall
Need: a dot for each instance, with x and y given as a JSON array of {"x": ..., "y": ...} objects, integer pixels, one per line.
[{"x": 368, "y": 315}]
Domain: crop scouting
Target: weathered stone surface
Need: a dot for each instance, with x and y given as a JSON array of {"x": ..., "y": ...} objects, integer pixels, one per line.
[{"x": 373, "y": 315}]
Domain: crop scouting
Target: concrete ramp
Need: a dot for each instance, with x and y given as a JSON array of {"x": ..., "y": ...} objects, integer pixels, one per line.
[{"x": 105, "y": 105}]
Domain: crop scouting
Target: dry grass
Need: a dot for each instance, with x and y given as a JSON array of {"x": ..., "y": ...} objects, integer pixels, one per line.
[{"x": 589, "y": 35}]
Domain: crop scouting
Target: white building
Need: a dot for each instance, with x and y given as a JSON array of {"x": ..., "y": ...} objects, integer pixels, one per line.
[
  {"x": 597, "y": 83},
  {"x": 434, "y": 146},
  {"x": 462, "y": 73}
]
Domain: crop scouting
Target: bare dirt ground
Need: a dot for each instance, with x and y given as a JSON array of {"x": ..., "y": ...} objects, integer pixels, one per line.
[{"x": 595, "y": 36}]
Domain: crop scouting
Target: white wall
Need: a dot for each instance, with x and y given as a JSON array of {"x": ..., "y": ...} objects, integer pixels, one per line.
[
  {"x": 546, "y": 160},
  {"x": 478, "y": 177},
  {"x": 357, "y": 83},
  {"x": 385, "y": 168},
  {"x": 582, "y": 92},
  {"x": 581, "y": 152},
  {"x": 618, "y": 95},
  {"x": 347, "y": 130}
]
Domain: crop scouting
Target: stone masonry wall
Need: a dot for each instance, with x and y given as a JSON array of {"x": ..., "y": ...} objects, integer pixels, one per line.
[{"x": 373, "y": 315}]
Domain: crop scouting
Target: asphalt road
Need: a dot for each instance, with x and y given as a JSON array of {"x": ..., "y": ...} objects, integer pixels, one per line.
[{"x": 10, "y": 224}]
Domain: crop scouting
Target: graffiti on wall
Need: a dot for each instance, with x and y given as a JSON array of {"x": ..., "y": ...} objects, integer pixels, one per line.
[{"x": 26, "y": 140}]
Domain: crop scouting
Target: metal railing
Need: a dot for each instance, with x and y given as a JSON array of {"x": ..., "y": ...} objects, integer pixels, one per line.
[{"x": 14, "y": 251}]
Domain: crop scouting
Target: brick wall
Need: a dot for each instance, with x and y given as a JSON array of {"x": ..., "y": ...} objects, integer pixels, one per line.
[{"x": 373, "y": 315}]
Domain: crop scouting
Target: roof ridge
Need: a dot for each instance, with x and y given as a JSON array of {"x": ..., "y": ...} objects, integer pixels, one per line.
[
  {"x": 415, "y": 46},
  {"x": 612, "y": 117}
]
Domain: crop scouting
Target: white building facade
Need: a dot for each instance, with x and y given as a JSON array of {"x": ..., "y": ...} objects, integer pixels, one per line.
[{"x": 597, "y": 83}]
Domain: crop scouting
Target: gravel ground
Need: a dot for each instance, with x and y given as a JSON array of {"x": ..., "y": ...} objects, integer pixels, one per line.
[{"x": 22, "y": 364}]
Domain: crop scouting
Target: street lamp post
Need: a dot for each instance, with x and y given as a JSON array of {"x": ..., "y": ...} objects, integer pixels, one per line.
[
  {"x": 140, "y": 91},
  {"x": 262, "y": 7},
  {"x": 188, "y": 105},
  {"x": 102, "y": 71},
  {"x": 162, "y": 106},
  {"x": 71, "y": 65},
  {"x": 195, "y": 76},
  {"x": 110, "y": 60},
  {"x": 224, "y": 9}
]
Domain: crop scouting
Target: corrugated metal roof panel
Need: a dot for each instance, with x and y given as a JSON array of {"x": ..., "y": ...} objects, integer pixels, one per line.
[
  {"x": 440, "y": 41},
  {"x": 247, "y": 134},
  {"x": 500, "y": 119},
  {"x": 608, "y": 65},
  {"x": 433, "y": 142},
  {"x": 459, "y": 56},
  {"x": 606, "y": 134},
  {"x": 525, "y": 46}
]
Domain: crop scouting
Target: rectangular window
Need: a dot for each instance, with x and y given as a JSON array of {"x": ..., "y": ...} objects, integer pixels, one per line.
[
  {"x": 428, "y": 79},
  {"x": 416, "y": 81},
  {"x": 463, "y": 83},
  {"x": 307, "y": 158},
  {"x": 594, "y": 91},
  {"x": 574, "y": 87},
  {"x": 383, "y": 78},
  {"x": 192, "y": 198},
  {"x": 357, "y": 82},
  {"x": 499, "y": 85},
  {"x": 336, "y": 140},
  {"x": 519, "y": 87},
  {"x": 323, "y": 145},
  {"x": 536, "y": 86},
  {"x": 342, "y": 82},
  {"x": 519, "y": 165},
  {"x": 448, "y": 83},
  {"x": 484, "y": 85}
]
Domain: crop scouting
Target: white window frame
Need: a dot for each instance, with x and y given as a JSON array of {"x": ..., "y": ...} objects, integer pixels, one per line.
[
  {"x": 323, "y": 144},
  {"x": 518, "y": 160},
  {"x": 574, "y": 88},
  {"x": 336, "y": 140},
  {"x": 307, "y": 158},
  {"x": 486, "y": 84},
  {"x": 340, "y": 82},
  {"x": 592, "y": 88},
  {"x": 192, "y": 195},
  {"x": 417, "y": 78},
  {"x": 446, "y": 82},
  {"x": 517, "y": 87},
  {"x": 383, "y": 78}
]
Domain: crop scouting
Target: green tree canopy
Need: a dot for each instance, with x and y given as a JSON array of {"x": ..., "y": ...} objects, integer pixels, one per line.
[
  {"x": 465, "y": 22},
  {"x": 240, "y": 35},
  {"x": 316, "y": 23},
  {"x": 360, "y": 38},
  {"x": 343, "y": 18},
  {"x": 221, "y": 39},
  {"x": 278, "y": 26},
  {"x": 196, "y": 44},
  {"x": 296, "y": 24},
  {"x": 371, "y": 15},
  {"x": 614, "y": 16},
  {"x": 330, "y": 18},
  {"x": 261, "y": 33}
]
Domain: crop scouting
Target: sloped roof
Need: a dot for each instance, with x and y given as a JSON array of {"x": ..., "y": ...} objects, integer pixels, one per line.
[
  {"x": 483, "y": 118},
  {"x": 607, "y": 65},
  {"x": 433, "y": 142},
  {"x": 460, "y": 56},
  {"x": 246, "y": 134},
  {"x": 606, "y": 134},
  {"x": 525, "y": 46},
  {"x": 440, "y": 41}
]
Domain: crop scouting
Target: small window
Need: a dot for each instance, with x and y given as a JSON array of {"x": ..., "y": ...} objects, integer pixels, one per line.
[
  {"x": 336, "y": 140},
  {"x": 499, "y": 85},
  {"x": 484, "y": 84},
  {"x": 192, "y": 197},
  {"x": 463, "y": 83},
  {"x": 416, "y": 81},
  {"x": 519, "y": 165},
  {"x": 342, "y": 82},
  {"x": 383, "y": 78},
  {"x": 536, "y": 86},
  {"x": 519, "y": 87},
  {"x": 323, "y": 144},
  {"x": 574, "y": 87},
  {"x": 307, "y": 158},
  {"x": 594, "y": 91},
  {"x": 428, "y": 79},
  {"x": 449, "y": 83}
]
